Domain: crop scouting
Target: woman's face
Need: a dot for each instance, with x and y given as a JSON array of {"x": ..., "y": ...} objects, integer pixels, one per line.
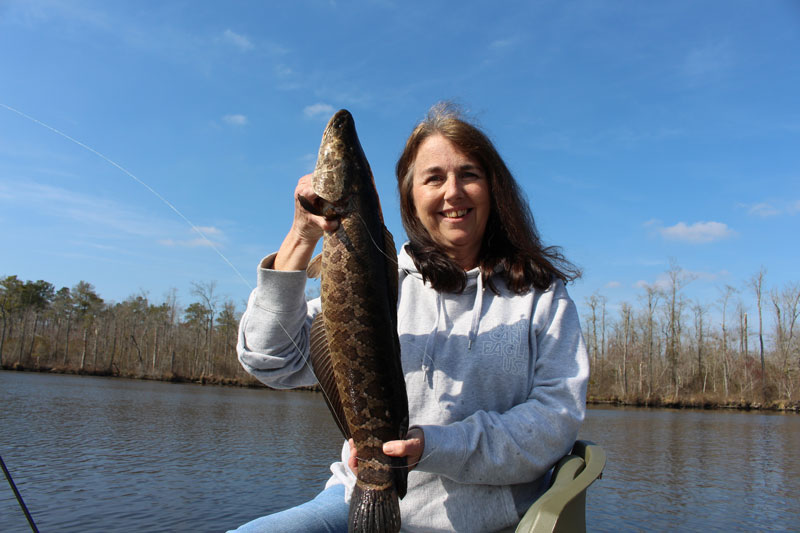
[{"x": 451, "y": 197}]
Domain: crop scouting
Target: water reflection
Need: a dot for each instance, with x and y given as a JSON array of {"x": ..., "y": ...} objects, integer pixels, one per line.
[
  {"x": 94, "y": 454},
  {"x": 695, "y": 470}
]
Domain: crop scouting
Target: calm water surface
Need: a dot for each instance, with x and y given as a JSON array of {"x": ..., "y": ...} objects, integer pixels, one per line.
[{"x": 97, "y": 454}]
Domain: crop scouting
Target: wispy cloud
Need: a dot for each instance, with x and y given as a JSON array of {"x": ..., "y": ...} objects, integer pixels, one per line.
[
  {"x": 707, "y": 61},
  {"x": 613, "y": 285},
  {"x": 238, "y": 40},
  {"x": 210, "y": 237},
  {"x": 502, "y": 44},
  {"x": 318, "y": 109},
  {"x": 235, "y": 120},
  {"x": 763, "y": 209},
  {"x": 96, "y": 211},
  {"x": 663, "y": 281},
  {"x": 697, "y": 233},
  {"x": 771, "y": 209}
]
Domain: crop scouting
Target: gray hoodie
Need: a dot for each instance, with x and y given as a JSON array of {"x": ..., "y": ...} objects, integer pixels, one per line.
[{"x": 496, "y": 382}]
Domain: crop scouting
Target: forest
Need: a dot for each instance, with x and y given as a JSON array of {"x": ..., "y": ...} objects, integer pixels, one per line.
[{"x": 668, "y": 350}]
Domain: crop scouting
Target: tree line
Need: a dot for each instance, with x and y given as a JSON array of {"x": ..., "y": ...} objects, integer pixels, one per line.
[
  {"x": 74, "y": 330},
  {"x": 668, "y": 350}
]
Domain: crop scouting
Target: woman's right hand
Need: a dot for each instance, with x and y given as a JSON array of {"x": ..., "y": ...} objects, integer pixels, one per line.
[
  {"x": 307, "y": 229},
  {"x": 308, "y": 226}
]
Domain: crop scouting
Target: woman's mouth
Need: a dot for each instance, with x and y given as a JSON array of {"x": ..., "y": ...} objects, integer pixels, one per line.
[{"x": 455, "y": 213}]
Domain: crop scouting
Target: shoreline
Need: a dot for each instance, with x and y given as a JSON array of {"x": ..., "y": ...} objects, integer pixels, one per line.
[{"x": 693, "y": 402}]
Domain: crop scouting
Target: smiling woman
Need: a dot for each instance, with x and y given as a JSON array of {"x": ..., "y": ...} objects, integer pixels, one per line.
[
  {"x": 451, "y": 196},
  {"x": 449, "y": 166},
  {"x": 495, "y": 380}
]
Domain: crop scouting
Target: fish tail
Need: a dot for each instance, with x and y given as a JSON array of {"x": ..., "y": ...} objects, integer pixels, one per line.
[{"x": 374, "y": 510}]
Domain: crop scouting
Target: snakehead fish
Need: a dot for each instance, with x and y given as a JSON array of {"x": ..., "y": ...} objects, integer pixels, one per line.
[{"x": 354, "y": 348}]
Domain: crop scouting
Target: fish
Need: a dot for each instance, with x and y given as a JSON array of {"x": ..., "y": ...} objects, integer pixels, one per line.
[{"x": 354, "y": 349}]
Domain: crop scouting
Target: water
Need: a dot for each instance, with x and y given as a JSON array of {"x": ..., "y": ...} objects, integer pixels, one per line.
[
  {"x": 97, "y": 454},
  {"x": 682, "y": 470}
]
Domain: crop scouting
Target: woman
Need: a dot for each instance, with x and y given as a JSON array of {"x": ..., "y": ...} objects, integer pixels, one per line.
[{"x": 496, "y": 379}]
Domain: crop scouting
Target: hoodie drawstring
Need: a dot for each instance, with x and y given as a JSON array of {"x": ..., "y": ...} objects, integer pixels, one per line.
[{"x": 430, "y": 344}]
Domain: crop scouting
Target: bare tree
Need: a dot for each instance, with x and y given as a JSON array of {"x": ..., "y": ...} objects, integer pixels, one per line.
[
  {"x": 786, "y": 306},
  {"x": 699, "y": 314},
  {"x": 626, "y": 317},
  {"x": 209, "y": 301},
  {"x": 678, "y": 279},
  {"x": 653, "y": 294},
  {"x": 724, "y": 299},
  {"x": 757, "y": 283}
]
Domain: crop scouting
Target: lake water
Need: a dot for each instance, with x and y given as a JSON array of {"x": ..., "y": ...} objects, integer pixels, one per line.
[{"x": 99, "y": 454}]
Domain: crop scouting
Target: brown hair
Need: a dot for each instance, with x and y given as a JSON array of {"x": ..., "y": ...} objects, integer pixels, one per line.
[{"x": 510, "y": 240}]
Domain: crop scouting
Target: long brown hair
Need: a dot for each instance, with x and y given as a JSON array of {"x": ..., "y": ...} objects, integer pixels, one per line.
[{"x": 510, "y": 240}]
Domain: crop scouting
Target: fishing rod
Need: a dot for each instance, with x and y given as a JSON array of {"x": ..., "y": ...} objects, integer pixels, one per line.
[{"x": 19, "y": 496}]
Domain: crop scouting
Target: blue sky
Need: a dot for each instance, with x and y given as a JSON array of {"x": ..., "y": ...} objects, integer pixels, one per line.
[{"x": 642, "y": 132}]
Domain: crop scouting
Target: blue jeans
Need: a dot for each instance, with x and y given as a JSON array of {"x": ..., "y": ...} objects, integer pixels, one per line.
[{"x": 327, "y": 513}]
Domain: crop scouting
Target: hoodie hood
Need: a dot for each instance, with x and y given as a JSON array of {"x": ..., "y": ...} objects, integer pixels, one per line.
[{"x": 406, "y": 267}]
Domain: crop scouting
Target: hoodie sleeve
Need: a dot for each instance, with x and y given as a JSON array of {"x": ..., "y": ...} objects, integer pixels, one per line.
[
  {"x": 523, "y": 443},
  {"x": 273, "y": 332}
]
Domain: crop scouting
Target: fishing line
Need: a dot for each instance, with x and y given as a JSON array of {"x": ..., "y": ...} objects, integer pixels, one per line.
[
  {"x": 137, "y": 180},
  {"x": 366, "y": 227},
  {"x": 18, "y": 495}
]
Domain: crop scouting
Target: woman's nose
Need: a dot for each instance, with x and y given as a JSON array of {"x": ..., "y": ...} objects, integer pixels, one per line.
[{"x": 452, "y": 188}]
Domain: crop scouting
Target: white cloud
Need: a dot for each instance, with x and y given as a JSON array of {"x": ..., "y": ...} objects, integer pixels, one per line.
[
  {"x": 613, "y": 285},
  {"x": 206, "y": 234},
  {"x": 697, "y": 233},
  {"x": 94, "y": 211},
  {"x": 318, "y": 109},
  {"x": 210, "y": 230},
  {"x": 763, "y": 209},
  {"x": 500, "y": 44},
  {"x": 766, "y": 209},
  {"x": 239, "y": 41},
  {"x": 189, "y": 243},
  {"x": 235, "y": 120},
  {"x": 663, "y": 281},
  {"x": 708, "y": 61}
]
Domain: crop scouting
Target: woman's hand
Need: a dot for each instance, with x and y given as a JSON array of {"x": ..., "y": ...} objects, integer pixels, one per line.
[
  {"x": 307, "y": 229},
  {"x": 411, "y": 448}
]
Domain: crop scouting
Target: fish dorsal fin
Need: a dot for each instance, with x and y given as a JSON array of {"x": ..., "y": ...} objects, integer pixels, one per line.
[
  {"x": 314, "y": 268},
  {"x": 320, "y": 356}
]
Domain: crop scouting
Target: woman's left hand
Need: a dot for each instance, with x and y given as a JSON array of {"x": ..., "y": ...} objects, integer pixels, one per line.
[{"x": 411, "y": 448}]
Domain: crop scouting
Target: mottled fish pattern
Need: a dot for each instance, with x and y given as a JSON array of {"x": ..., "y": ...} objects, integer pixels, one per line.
[{"x": 354, "y": 349}]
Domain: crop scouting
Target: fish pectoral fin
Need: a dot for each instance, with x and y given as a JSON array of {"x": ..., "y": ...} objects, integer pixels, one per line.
[
  {"x": 314, "y": 268},
  {"x": 322, "y": 366}
]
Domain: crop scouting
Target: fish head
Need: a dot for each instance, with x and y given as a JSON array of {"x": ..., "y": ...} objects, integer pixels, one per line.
[{"x": 342, "y": 167}]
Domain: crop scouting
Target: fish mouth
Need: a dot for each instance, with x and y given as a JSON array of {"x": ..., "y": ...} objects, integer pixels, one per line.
[{"x": 455, "y": 213}]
